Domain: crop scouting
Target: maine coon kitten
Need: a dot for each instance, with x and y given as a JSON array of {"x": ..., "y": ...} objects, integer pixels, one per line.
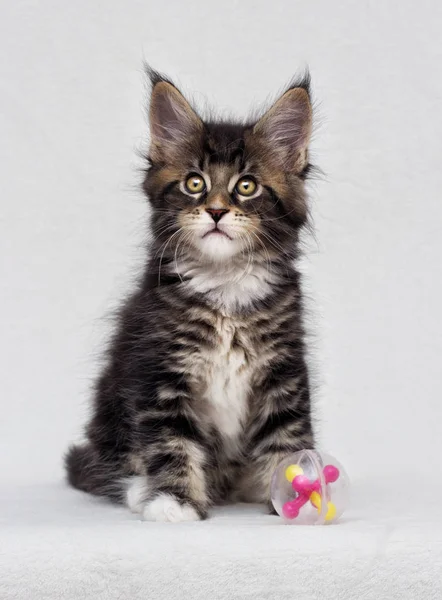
[{"x": 206, "y": 387}]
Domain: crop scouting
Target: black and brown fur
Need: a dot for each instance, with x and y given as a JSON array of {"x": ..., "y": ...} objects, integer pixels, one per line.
[{"x": 152, "y": 416}]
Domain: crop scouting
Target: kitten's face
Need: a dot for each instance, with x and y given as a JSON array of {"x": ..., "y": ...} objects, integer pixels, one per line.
[
  {"x": 223, "y": 192},
  {"x": 220, "y": 221}
]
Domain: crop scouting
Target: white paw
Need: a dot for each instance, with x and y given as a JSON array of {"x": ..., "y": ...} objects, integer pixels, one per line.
[
  {"x": 166, "y": 508},
  {"x": 136, "y": 493}
]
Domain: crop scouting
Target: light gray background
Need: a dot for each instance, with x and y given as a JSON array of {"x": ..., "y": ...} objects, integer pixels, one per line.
[{"x": 72, "y": 219}]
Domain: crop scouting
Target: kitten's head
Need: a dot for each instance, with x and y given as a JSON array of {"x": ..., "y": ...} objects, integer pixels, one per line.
[{"x": 221, "y": 191}]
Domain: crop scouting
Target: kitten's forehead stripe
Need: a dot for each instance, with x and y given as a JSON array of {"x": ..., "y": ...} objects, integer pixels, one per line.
[{"x": 226, "y": 142}]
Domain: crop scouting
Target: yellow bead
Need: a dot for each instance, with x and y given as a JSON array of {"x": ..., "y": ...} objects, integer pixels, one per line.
[
  {"x": 331, "y": 512},
  {"x": 315, "y": 499},
  {"x": 293, "y": 471}
]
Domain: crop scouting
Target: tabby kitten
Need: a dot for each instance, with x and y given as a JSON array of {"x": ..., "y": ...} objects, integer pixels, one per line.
[{"x": 206, "y": 387}]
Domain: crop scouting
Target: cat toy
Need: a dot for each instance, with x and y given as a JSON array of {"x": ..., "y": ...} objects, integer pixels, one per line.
[{"x": 310, "y": 488}]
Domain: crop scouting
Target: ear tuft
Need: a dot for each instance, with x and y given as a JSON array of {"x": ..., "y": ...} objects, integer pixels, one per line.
[
  {"x": 304, "y": 82},
  {"x": 155, "y": 76}
]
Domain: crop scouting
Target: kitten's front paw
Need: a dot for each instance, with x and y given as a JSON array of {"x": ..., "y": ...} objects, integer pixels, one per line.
[{"x": 166, "y": 508}]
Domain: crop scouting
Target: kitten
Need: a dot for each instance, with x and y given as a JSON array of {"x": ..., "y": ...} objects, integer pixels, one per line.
[{"x": 206, "y": 387}]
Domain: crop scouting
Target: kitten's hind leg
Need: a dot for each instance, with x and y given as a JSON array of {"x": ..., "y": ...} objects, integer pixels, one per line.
[{"x": 89, "y": 472}]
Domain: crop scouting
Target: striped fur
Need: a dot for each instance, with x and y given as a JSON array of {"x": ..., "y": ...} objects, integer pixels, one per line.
[{"x": 206, "y": 387}]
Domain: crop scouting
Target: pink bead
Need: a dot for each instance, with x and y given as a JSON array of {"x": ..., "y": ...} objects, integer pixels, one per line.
[
  {"x": 331, "y": 473},
  {"x": 301, "y": 484},
  {"x": 290, "y": 510}
]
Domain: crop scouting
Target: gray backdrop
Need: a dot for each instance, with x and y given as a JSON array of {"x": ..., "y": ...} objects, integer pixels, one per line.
[{"x": 72, "y": 117}]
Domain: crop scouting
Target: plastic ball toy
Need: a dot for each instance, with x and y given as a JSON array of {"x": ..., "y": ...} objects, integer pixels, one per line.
[{"x": 310, "y": 488}]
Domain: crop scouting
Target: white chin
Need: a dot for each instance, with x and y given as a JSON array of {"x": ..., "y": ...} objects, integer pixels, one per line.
[{"x": 218, "y": 247}]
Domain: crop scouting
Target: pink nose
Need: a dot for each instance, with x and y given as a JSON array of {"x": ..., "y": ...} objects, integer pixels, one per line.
[{"x": 217, "y": 213}]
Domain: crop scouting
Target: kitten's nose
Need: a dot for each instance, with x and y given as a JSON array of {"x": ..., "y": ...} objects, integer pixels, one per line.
[{"x": 217, "y": 213}]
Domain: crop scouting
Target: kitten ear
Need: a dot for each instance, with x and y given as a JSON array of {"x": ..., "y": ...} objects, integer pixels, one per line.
[
  {"x": 174, "y": 125},
  {"x": 286, "y": 128}
]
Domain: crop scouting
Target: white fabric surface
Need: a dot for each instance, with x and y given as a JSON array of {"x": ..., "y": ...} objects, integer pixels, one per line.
[{"x": 57, "y": 543}]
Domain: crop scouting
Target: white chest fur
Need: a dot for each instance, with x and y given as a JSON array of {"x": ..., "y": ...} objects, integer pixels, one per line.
[
  {"x": 225, "y": 373},
  {"x": 227, "y": 385},
  {"x": 228, "y": 286}
]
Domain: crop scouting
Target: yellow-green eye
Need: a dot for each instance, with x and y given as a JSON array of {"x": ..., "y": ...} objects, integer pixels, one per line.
[
  {"x": 246, "y": 186},
  {"x": 195, "y": 184}
]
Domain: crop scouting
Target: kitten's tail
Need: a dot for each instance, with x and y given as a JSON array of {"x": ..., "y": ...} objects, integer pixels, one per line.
[{"x": 88, "y": 472}]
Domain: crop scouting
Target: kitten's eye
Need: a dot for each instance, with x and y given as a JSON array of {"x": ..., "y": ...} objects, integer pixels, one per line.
[
  {"x": 246, "y": 186},
  {"x": 195, "y": 184}
]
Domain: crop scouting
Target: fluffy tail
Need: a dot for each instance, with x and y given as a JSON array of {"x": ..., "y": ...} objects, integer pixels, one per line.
[{"x": 88, "y": 472}]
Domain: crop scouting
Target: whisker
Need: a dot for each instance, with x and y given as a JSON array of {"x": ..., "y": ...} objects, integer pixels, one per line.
[
  {"x": 162, "y": 254},
  {"x": 184, "y": 239},
  {"x": 270, "y": 239}
]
